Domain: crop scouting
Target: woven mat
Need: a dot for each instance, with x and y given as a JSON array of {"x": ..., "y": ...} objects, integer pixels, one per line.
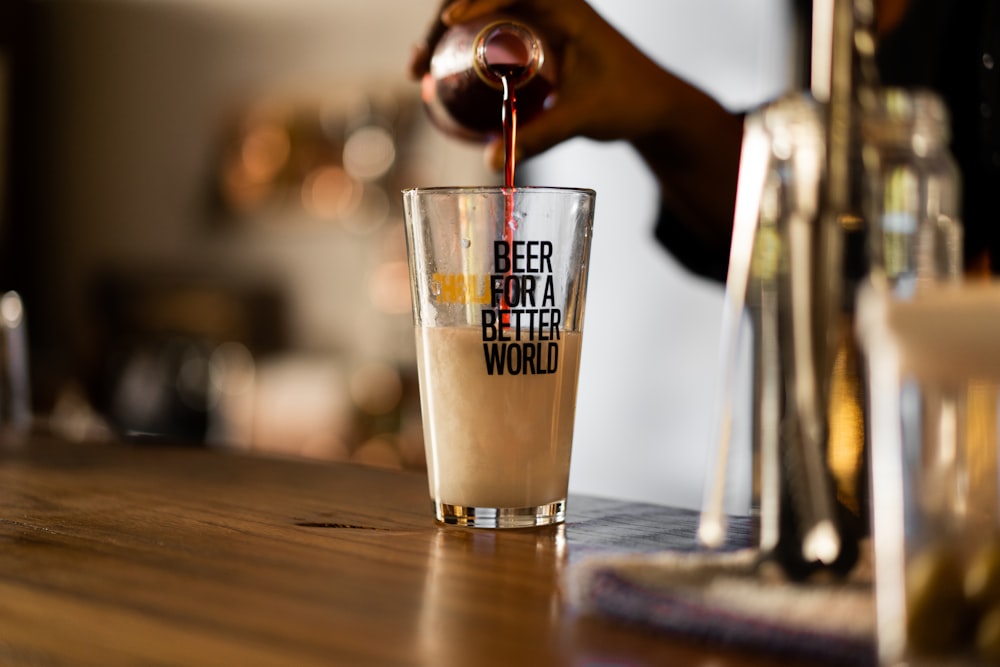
[{"x": 725, "y": 598}]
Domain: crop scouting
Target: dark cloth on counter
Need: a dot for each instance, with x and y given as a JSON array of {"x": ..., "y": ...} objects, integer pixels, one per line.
[
  {"x": 726, "y": 598},
  {"x": 661, "y": 580}
]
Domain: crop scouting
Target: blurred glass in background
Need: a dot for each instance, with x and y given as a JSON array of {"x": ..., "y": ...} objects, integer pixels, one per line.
[{"x": 204, "y": 219}]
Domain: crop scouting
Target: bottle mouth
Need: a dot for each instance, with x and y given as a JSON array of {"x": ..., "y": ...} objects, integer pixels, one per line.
[{"x": 507, "y": 50}]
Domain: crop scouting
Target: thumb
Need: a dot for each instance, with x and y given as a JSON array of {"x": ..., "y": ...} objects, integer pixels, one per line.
[{"x": 549, "y": 128}]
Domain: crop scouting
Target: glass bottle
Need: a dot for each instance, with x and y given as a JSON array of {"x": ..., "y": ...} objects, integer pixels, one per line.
[
  {"x": 916, "y": 239},
  {"x": 913, "y": 191},
  {"x": 464, "y": 90}
]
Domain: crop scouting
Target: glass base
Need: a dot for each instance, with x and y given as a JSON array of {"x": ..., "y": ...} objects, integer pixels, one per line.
[{"x": 500, "y": 517}]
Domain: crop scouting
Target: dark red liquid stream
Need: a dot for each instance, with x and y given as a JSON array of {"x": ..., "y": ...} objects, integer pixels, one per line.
[{"x": 509, "y": 79}]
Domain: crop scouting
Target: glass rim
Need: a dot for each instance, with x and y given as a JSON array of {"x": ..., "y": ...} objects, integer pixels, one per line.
[{"x": 499, "y": 189}]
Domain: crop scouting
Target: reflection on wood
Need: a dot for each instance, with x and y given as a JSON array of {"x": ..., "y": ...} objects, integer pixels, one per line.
[{"x": 127, "y": 555}]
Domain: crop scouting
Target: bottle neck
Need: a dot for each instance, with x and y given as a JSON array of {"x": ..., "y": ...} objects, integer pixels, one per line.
[{"x": 507, "y": 50}]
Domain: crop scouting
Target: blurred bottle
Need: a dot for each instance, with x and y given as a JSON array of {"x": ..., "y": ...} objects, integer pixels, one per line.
[
  {"x": 914, "y": 189},
  {"x": 463, "y": 91},
  {"x": 914, "y": 195}
]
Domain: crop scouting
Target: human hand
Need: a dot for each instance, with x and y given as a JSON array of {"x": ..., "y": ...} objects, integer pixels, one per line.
[{"x": 607, "y": 88}]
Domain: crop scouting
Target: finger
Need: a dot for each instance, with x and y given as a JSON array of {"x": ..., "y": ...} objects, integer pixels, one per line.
[
  {"x": 467, "y": 10},
  {"x": 494, "y": 155},
  {"x": 420, "y": 62},
  {"x": 548, "y": 129},
  {"x": 420, "y": 55},
  {"x": 551, "y": 127}
]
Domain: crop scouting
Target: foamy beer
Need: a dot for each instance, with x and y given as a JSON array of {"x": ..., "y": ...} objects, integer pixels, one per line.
[{"x": 498, "y": 278}]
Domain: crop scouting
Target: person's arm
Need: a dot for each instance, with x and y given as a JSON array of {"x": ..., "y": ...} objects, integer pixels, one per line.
[
  {"x": 609, "y": 91},
  {"x": 695, "y": 159}
]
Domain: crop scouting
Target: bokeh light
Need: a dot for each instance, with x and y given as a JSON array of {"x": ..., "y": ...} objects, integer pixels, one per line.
[
  {"x": 376, "y": 388},
  {"x": 369, "y": 152},
  {"x": 330, "y": 193}
]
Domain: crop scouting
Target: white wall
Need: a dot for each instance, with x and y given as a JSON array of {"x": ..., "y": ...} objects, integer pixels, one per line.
[{"x": 650, "y": 376}]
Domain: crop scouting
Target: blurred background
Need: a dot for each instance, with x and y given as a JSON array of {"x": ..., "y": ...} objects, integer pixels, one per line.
[{"x": 199, "y": 203}]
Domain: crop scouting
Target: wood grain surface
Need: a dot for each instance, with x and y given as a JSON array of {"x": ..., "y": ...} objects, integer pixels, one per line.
[{"x": 127, "y": 555}]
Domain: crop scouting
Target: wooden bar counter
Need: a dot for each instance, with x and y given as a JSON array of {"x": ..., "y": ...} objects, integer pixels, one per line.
[{"x": 115, "y": 554}]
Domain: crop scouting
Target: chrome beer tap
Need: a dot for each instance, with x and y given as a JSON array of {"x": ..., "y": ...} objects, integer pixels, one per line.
[
  {"x": 798, "y": 249},
  {"x": 827, "y": 256}
]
